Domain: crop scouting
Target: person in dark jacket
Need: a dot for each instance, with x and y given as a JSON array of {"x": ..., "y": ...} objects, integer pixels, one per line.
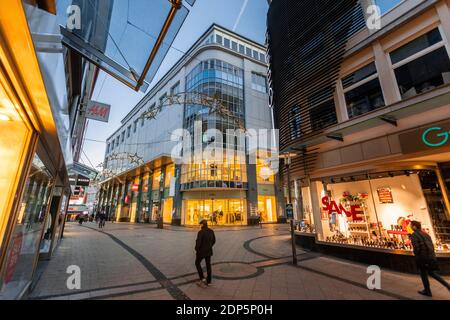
[
  {"x": 203, "y": 248},
  {"x": 425, "y": 258}
]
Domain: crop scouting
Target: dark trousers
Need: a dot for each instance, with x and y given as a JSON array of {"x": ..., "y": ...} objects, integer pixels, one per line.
[
  {"x": 198, "y": 260},
  {"x": 427, "y": 270}
]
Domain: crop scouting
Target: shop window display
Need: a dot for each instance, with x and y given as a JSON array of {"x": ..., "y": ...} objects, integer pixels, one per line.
[
  {"x": 24, "y": 246},
  {"x": 267, "y": 208},
  {"x": 375, "y": 210},
  {"x": 217, "y": 212}
]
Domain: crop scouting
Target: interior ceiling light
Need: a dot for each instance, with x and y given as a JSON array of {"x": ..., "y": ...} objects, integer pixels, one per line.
[{"x": 4, "y": 117}]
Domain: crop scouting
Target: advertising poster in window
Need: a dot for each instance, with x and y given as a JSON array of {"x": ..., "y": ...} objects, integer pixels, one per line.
[{"x": 385, "y": 195}]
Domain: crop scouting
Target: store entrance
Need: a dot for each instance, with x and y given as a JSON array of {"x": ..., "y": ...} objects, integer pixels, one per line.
[{"x": 216, "y": 212}]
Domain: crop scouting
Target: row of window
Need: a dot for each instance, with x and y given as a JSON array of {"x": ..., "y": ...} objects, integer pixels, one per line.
[
  {"x": 132, "y": 128},
  {"x": 419, "y": 66},
  {"x": 237, "y": 47}
]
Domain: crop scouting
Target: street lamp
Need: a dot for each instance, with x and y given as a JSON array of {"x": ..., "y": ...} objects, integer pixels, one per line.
[{"x": 287, "y": 161}]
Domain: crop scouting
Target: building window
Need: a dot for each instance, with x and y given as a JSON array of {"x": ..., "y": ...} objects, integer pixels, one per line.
[
  {"x": 259, "y": 82},
  {"x": 135, "y": 125},
  {"x": 322, "y": 111},
  {"x": 122, "y": 136},
  {"x": 107, "y": 148},
  {"x": 226, "y": 42},
  {"x": 241, "y": 49},
  {"x": 362, "y": 91},
  {"x": 218, "y": 39},
  {"x": 255, "y": 55},
  {"x": 234, "y": 46},
  {"x": 117, "y": 142},
  {"x": 175, "y": 89},
  {"x": 142, "y": 120},
  {"x": 128, "y": 131},
  {"x": 162, "y": 99},
  {"x": 248, "y": 52},
  {"x": 421, "y": 65}
]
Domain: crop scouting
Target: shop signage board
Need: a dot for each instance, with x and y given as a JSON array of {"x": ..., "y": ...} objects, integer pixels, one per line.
[
  {"x": 429, "y": 137},
  {"x": 385, "y": 195},
  {"x": 289, "y": 211},
  {"x": 98, "y": 111}
]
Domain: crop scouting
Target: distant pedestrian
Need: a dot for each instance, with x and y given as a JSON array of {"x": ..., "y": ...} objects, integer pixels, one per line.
[
  {"x": 203, "y": 247},
  {"x": 102, "y": 219},
  {"x": 425, "y": 258}
]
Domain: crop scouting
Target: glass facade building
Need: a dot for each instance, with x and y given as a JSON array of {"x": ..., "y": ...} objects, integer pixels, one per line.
[{"x": 215, "y": 180}]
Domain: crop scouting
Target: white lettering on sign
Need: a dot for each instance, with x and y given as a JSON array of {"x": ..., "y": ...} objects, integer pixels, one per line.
[{"x": 98, "y": 111}]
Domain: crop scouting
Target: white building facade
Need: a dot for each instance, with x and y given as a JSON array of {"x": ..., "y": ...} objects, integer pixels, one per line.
[{"x": 143, "y": 180}]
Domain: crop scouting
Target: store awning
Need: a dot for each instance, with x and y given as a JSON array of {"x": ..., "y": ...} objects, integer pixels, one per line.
[{"x": 127, "y": 39}]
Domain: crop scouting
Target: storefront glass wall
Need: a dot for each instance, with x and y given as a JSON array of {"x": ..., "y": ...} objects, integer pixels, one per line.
[
  {"x": 374, "y": 210},
  {"x": 12, "y": 152},
  {"x": 167, "y": 210},
  {"x": 24, "y": 245},
  {"x": 267, "y": 208},
  {"x": 217, "y": 212}
]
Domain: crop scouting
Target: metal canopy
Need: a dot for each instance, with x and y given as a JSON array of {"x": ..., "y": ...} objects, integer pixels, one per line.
[{"x": 128, "y": 39}]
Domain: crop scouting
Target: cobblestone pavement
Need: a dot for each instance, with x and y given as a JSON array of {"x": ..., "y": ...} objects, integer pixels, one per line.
[{"x": 132, "y": 261}]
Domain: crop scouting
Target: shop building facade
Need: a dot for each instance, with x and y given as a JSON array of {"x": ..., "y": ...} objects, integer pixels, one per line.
[
  {"x": 366, "y": 126},
  {"x": 231, "y": 69}
]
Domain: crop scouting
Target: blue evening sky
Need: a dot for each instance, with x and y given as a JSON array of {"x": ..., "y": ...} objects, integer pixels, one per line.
[{"x": 252, "y": 24}]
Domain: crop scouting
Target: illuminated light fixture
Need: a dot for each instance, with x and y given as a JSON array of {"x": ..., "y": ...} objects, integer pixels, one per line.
[{"x": 4, "y": 117}]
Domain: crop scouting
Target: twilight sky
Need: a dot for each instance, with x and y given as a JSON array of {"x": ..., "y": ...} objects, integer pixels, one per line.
[{"x": 247, "y": 16}]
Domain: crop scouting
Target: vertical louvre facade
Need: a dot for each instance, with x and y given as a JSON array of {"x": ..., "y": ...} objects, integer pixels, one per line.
[{"x": 307, "y": 41}]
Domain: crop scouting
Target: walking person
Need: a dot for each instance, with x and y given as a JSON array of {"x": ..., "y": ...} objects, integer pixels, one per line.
[
  {"x": 425, "y": 258},
  {"x": 102, "y": 219},
  {"x": 203, "y": 247}
]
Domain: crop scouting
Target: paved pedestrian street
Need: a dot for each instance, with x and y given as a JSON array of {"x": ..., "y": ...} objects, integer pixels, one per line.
[{"x": 133, "y": 261}]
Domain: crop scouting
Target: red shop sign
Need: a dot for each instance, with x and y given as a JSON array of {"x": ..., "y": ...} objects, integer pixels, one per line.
[
  {"x": 331, "y": 206},
  {"x": 13, "y": 257},
  {"x": 135, "y": 188}
]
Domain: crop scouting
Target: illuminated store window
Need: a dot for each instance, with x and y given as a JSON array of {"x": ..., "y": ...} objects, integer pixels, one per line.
[
  {"x": 421, "y": 65},
  {"x": 217, "y": 212},
  {"x": 156, "y": 179},
  {"x": 170, "y": 173},
  {"x": 362, "y": 91},
  {"x": 167, "y": 210},
  {"x": 267, "y": 208},
  {"x": 264, "y": 173},
  {"x": 15, "y": 137},
  {"x": 375, "y": 210},
  {"x": 26, "y": 236}
]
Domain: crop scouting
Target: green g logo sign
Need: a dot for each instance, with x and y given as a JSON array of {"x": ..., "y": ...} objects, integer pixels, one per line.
[{"x": 442, "y": 137}]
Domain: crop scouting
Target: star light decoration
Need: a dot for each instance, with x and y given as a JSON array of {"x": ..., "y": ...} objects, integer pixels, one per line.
[
  {"x": 106, "y": 173},
  {"x": 193, "y": 98}
]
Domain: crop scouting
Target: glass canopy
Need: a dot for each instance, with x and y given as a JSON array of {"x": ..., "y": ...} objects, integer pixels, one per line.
[{"x": 126, "y": 38}]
